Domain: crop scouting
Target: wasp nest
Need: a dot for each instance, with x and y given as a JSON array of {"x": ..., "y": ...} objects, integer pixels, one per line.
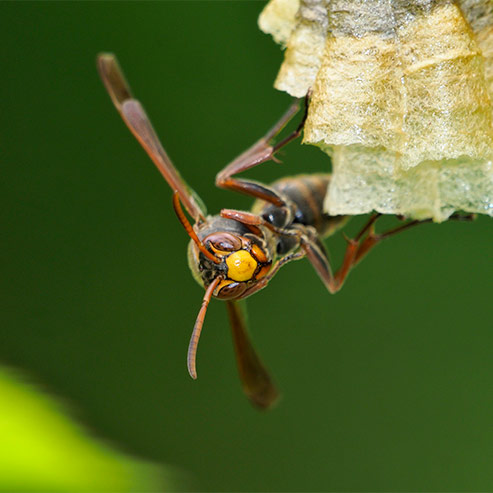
[{"x": 401, "y": 99}]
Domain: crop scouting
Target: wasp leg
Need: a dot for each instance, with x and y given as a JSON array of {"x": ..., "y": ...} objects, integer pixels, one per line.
[
  {"x": 260, "y": 152},
  {"x": 254, "y": 189},
  {"x": 373, "y": 239},
  {"x": 462, "y": 217},
  {"x": 253, "y": 220},
  {"x": 246, "y": 218},
  {"x": 357, "y": 249},
  {"x": 310, "y": 246},
  {"x": 255, "y": 379},
  {"x": 296, "y": 133},
  {"x": 308, "y": 243},
  {"x": 265, "y": 280},
  {"x": 317, "y": 255}
]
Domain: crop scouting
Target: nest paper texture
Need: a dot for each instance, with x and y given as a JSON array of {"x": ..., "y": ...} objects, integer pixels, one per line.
[{"x": 401, "y": 99}]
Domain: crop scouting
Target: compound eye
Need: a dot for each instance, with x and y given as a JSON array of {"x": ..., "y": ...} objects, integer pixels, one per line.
[
  {"x": 223, "y": 242},
  {"x": 229, "y": 290}
]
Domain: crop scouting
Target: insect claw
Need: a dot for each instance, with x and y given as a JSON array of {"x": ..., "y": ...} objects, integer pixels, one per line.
[{"x": 350, "y": 241}]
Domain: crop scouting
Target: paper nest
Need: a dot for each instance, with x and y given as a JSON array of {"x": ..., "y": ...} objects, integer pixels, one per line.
[{"x": 401, "y": 99}]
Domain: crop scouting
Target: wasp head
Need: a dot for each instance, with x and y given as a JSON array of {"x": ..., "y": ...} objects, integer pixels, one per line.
[
  {"x": 227, "y": 259},
  {"x": 239, "y": 261}
]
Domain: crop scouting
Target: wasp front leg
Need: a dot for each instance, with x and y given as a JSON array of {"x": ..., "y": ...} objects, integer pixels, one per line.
[{"x": 261, "y": 152}]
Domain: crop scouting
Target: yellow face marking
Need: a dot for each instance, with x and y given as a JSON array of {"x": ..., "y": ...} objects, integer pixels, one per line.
[{"x": 241, "y": 266}]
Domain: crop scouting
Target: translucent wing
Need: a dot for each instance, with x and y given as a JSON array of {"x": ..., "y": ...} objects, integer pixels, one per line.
[
  {"x": 255, "y": 379},
  {"x": 138, "y": 122}
]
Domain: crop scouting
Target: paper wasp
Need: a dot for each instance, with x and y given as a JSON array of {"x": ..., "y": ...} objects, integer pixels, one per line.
[{"x": 236, "y": 253}]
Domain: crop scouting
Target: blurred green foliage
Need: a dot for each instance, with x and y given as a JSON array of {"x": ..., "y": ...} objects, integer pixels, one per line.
[
  {"x": 43, "y": 450},
  {"x": 386, "y": 385}
]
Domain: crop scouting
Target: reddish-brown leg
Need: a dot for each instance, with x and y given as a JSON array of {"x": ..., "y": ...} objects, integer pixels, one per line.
[
  {"x": 265, "y": 280},
  {"x": 251, "y": 219},
  {"x": 260, "y": 152},
  {"x": 311, "y": 246},
  {"x": 358, "y": 248},
  {"x": 373, "y": 239}
]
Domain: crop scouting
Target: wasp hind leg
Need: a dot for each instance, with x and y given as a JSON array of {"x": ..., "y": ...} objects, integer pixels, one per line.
[
  {"x": 373, "y": 239},
  {"x": 356, "y": 249}
]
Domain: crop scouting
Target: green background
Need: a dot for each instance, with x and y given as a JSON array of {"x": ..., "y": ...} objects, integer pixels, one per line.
[{"x": 387, "y": 385}]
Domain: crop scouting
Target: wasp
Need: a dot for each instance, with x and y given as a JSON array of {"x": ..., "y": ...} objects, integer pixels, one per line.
[{"x": 234, "y": 254}]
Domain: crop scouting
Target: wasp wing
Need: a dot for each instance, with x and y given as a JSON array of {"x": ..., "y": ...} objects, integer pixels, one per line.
[
  {"x": 138, "y": 122},
  {"x": 255, "y": 379}
]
